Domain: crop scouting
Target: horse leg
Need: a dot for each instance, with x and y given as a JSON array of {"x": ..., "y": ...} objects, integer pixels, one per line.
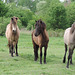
[
  {"x": 16, "y": 51},
  {"x": 64, "y": 59},
  {"x": 9, "y": 48},
  {"x": 37, "y": 52},
  {"x": 40, "y": 55},
  {"x": 45, "y": 49},
  {"x": 12, "y": 50},
  {"x": 69, "y": 57}
]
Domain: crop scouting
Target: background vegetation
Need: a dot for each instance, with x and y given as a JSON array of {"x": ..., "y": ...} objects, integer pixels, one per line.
[{"x": 56, "y": 14}]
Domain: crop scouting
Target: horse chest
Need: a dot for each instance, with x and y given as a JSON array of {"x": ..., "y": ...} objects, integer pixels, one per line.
[
  {"x": 14, "y": 38},
  {"x": 39, "y": 40}
]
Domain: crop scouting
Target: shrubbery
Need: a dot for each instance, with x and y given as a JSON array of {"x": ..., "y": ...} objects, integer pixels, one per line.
[{"x": 56, "y": 33}]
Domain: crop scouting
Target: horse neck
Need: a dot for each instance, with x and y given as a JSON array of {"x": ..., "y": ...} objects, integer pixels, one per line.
[{"x": 44, "y": 34}]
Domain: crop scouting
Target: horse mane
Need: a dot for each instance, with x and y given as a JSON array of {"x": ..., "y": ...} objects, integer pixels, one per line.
[
  {"x": 41, "y": 23},
  {"x": 72, "y": 28}
]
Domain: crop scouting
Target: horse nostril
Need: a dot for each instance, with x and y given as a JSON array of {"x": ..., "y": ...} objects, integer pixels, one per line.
[
  {"x": 14, "y": 31},
  {"x": 36, "y": 35}
]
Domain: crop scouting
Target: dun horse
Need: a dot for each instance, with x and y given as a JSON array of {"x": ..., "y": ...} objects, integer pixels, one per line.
[
  {"x": 12, "y": 35},
  {"x": 69, "y": 39},
  {"x": 40, "y": 39}
]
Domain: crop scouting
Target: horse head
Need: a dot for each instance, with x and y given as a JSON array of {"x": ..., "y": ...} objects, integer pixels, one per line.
[
  {"x": 14, "y": 24},
  {"x": 39, "y": 27}
]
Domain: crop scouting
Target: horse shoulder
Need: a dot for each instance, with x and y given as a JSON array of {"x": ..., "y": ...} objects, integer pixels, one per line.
[
  {"x": 8, "y": 31},
  {"x": 67, "y": 36},
  {"x": 47, "y": 36}
]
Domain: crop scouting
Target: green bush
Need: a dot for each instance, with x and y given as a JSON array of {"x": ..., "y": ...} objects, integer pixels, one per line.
[
  {"x": 31, "y": 24},
  {"x": 24, "y": 14},
  {"x": 56, "y": 33}
]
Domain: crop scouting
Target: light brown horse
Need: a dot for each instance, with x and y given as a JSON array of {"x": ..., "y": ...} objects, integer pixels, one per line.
[
  {"x": 12, "y": 34},
  {"x": 69, "y": 40},
  {"x": 40, "y": 39}
]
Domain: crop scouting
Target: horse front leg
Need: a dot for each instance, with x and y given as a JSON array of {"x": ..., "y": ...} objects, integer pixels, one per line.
[
  {"x": 16, "y": 50},
  {"x": 9, "y": 48},
  {"x": 45, "y": 49},
  {"x": 40, "y": 55},
  {"x": 12, "y": 47}
]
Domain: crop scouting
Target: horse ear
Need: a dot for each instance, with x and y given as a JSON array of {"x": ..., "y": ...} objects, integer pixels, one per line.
[
  {"x": 41, "y": 22},
  {"x": 35, "y": 21},
  {"x": 17, "y": 18},
  {"x": 12, "y": 18}
]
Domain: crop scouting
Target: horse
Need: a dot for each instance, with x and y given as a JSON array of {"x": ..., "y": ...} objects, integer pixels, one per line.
[
  {"x": 40, "y": 39},
  {"x": 12, "y": 34},
  {"x": 69, "y": 40}
]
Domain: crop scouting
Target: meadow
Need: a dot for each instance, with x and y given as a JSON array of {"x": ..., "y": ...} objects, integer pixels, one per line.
[{"x": 24, "y": 64}]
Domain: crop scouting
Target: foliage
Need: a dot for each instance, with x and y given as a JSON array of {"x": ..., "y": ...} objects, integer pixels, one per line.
[
  {"x": 40, "y": 7},
  {"x": 57, "y": 14},
  {"x": 56, "y": 33},
  {"x": 72, "y": 0},
  {"x": 53, "y": 13},
  {"x": 31, "y": 4},
  {"x": 23, "y": 13},
  {"x": 3, "y": 9},
  {"x": 70, "y": 9},
  {"x": 3, "y": 25},
  {"x": 30, "y": 24}
]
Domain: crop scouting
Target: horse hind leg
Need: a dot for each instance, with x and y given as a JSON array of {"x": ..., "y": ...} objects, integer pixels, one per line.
[
  {"x": 71, "y": 57},
  {"x": 64, "y": 59}
]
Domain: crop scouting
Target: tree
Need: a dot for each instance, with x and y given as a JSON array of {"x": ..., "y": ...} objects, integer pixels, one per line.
[
  {"x": 56, "y": 16},
  {"x": 31, "y": 4},
  {"x": 70, "y": 9},
  {"x": 3, "y": 9}
]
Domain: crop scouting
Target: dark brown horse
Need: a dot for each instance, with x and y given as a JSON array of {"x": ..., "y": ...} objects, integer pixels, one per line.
[{"x": 40, "y": 39}]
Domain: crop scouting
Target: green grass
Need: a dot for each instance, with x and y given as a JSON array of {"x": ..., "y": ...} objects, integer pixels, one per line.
[{"x": 24, "y": 64}]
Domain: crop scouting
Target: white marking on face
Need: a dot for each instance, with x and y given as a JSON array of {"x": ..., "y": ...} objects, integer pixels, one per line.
[{"x": 14, "y": 28}]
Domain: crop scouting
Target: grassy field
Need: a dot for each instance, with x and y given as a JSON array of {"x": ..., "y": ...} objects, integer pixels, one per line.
[{"x": 24, "y": 64}]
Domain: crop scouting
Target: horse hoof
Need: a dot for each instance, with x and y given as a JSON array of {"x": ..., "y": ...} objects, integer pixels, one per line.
[
  {"x": 63, "y": 61},
  {"x": 45, "y": 63},
  {"x": 17, "y": 55},
  {"x": 12, "y": 55},
  {"x": 71, "y": 63},
  {"x": 40, "y": 62},
  {"x": 67, "y": 66}
]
